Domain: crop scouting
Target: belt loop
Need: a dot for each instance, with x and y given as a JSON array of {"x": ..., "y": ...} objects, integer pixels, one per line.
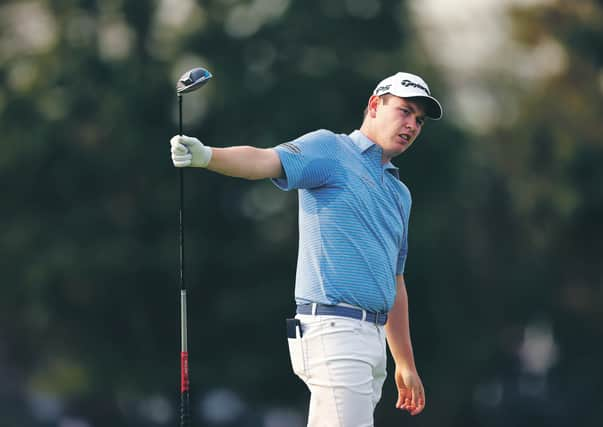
[
  {"x": 363, "y": 314},
  {"x": 314, "y": 309}
]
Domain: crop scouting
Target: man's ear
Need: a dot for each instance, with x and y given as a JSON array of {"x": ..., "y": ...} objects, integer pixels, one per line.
[{"x": 373, "y": 103}]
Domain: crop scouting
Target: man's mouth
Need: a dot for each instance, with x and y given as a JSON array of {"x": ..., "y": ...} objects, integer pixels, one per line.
[{"x": 405, "y": 138}]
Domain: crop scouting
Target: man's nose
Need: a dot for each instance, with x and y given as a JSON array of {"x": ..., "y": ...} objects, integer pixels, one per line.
[{"x": 411, "y": 125}]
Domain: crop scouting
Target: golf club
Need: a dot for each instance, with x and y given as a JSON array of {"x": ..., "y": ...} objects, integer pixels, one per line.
[{"x": 188, "y": 82}]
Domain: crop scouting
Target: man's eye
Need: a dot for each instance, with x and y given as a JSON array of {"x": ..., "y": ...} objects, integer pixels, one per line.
[{"x": 420, "y": 122}]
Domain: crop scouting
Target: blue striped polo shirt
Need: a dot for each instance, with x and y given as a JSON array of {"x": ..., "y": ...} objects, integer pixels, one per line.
[{"x": 353, "y": 219}]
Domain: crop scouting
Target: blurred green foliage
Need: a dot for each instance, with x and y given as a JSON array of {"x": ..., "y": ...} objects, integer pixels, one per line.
[{"x": 506, "y": 228}]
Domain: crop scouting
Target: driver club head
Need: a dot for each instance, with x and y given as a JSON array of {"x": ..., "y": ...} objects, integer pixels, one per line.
[{"x": 192, "y": 80}]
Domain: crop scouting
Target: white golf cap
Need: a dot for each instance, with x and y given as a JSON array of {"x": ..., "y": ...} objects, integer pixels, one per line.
[{"x": 406, "y": 85}]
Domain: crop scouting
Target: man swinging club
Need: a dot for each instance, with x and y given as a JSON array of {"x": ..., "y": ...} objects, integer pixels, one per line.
[{"x": 353, "y": 238}]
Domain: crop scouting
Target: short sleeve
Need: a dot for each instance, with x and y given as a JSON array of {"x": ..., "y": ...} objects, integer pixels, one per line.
[{"x": 306, "y": 161}]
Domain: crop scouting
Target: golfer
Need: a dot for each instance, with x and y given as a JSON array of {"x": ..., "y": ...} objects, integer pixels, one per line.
[{"x": 353, "y": 238}]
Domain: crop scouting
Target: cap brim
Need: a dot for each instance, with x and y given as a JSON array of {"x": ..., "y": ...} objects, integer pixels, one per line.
[{"x": 433, "y": 109}]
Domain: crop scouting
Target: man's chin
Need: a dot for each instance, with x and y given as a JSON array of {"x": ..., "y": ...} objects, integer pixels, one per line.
[{"x": 401, "y": 147}]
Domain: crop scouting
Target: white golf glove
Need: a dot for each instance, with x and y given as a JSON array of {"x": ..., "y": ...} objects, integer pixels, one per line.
[{"x": 189, "y": 151}]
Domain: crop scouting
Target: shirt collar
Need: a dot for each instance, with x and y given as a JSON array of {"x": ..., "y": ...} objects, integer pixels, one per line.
[{"x": 364, "y": 144}]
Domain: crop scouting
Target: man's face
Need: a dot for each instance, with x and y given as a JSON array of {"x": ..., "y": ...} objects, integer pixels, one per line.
[{"x": 397, "y": 122}]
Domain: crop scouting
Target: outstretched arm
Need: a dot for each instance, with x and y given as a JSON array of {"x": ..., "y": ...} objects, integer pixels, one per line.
[
  {"x": 246, "y": 162},
  {"x": 411, "y": 395},
  {"x": 240, "y": 161}
]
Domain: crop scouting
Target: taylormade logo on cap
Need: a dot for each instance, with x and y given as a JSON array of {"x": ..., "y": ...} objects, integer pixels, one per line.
[{"x": 406, "y": 85}]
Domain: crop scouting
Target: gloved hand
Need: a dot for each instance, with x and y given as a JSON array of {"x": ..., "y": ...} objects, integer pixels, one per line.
[{"x": 189, "y": 151}]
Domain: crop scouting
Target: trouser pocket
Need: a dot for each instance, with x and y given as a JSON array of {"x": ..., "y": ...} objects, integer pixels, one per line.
[{"x": 296, "y": 348}]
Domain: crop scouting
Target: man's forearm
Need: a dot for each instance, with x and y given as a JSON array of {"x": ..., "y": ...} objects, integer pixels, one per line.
[
  {"x": 397, "y": 329},
  {"x": 246, "y": 162}
]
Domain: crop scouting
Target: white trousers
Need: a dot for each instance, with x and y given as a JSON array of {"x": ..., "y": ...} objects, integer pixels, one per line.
[{"x": 343, "y": 363}]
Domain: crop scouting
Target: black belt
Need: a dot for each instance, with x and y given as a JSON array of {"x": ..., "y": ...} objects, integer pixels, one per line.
[{"x": 341, "y": 310}]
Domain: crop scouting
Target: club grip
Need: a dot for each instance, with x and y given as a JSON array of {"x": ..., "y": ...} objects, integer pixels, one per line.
[{"x": 185, "y": 413}]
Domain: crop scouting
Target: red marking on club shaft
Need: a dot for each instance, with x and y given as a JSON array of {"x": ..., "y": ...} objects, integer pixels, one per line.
[{"x": 184, "y": 383}]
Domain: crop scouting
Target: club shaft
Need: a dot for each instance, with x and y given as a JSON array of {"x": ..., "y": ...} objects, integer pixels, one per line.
[
  {"x": 181, "y": 209},
  {"x": 181, "y": 230},
  {"x": 185, "y": 417},
  {"x": 183, "y": 327}
]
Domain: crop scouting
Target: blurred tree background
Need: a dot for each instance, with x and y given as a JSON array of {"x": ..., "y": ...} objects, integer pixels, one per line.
[{"x": 504, "y": 271}]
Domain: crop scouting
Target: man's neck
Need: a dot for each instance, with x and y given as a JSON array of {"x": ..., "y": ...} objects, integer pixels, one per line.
[{"x": 366, "y": 131}]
